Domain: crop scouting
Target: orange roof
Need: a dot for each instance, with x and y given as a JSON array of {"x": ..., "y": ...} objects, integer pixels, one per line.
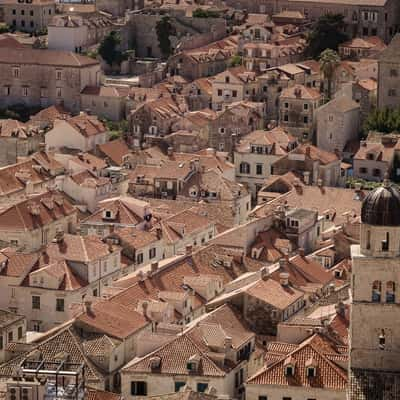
[
  {"x": 300, "y": 92},
  {"x": 115, "y": 150},
  {"x": 87, "y": 125}
]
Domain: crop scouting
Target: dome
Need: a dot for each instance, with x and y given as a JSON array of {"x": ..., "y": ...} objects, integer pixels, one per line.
[{"x": 382, "y": 206}]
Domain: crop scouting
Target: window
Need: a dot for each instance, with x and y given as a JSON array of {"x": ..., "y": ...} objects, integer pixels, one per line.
[
  {"x": 10, "y": 336},
  {"x": 305, "y": 106},
  {"x": 363, "y": 170},
  {"x": 139, "y": 388},
  {"x": 244, "y": 168},
  {"x": 139, "y": 258},
  {"x": 14, "y": 12},
  {"x": 376, "y": 291},
  {"x": 286, "y": 118},
  {"x": 305, "y": 120},
  {"x": 289, "y": 370},
  {"x": 16, "y": 72},
  {"x": 259, "y": 169},
  {"x": 286, "y": 105},
  {"x": 58, "y": 75},
  {"x": 32, "y": 24},
  {"x": 227, "y": 79},
  {"x": 22, "y": 12},
  {"x": 311, "y": 372},
  {"x": 31, "y": 13},
  {"x": 385, "y": 243},
  {"x": 25, "y": 91},
  {"x": 36, "y": 302},
  {"x": 202, "y": 387},
  {"x": 152, "y": 253},
  {"x": 20, "y": 332},
  {"x": 376, "y": 172},
  {"x": 262, "y": 398},
  {"x": 178, "y": 386},
  {"x": 7, "y": 90},
  {"x": 60, "y": 305},
  {"x": 58, "y": 92},
  {"x": 286, "y": 398},
  {"x": 382, "y": 340},
  {"x": 234, "y": 93},
  {"x": 390, "y": 292},
  {"x": 219, "y": 92},
  {"x": 23, "y": 23},
  {"x": 95, "y": 293},
  {"x": 392, "y": 92},
  {"x": 49, "y": 11}
]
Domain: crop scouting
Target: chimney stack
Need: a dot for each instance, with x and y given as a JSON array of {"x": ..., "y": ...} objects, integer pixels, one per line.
[
  {"x": 154, "y": 267},
  {"x": 284, "y": 279},
  {"x": 188, "y": 249},
  {"x": 145, "y": 306},
  {"x": 301, "y": 252},
  {"x": 228, "y": 342},
  {"x": 170, "y": 151},
  {"x": 88, "y": 306}
]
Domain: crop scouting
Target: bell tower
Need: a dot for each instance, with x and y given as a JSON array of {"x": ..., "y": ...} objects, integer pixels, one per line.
[{"x": 375, "y": 296}]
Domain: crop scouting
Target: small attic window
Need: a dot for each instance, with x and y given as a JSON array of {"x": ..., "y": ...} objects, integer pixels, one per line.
[
  {"x": 289, "y": 370},
  {"x": 370, "y": 156},
  {"x": 311, "y": 372}
]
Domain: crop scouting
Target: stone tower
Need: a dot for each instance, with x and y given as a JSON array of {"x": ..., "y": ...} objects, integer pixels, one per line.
[{"x": 375, "y": 307}]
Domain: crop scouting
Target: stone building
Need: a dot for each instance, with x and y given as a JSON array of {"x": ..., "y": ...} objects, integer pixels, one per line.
[
  {"x": 119, "y": 7},
  {"x": 297, "y": 111},
  {"x": 17, "y": 140},
  {"x": 389, "y": 75},
  {"x": 42, "y": 78},
  {"x": 28, "y": 15},
  {"x": 338, "y": 122},
  {"x": 375, "y": 339},
  {"x": 362, "y": 18}
]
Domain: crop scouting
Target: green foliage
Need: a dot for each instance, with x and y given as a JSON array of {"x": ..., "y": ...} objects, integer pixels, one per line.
[
  {"x": 164, "y": 30},
  {"x": 328, "y": 62},
  {"x": 4, "y": 28},
  {"x": 235, "y": 61},
  {"x": 18, "y": 111},
  {"x": 327, "y": 33},
  {"x": 114, "y": 135},
  {"x": 92, "y": 54},
  {"x": 109, "y": 49},
  {"x": 383, "y": 120},
  {"x": 366, "y": 185},
  {"x": 200, "y": 13},
  {"x": 116, "y": 126}
]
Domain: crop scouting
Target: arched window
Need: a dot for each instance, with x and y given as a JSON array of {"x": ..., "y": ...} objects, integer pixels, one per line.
[
  {"x": 376, "y": 291},
  {"x": 244, "y": 168},
  {"x": 385, "y": 243},
  {"x": 390, "y": 292}
]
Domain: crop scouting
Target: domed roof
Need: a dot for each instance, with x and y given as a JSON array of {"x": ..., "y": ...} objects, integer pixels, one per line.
[{"x": 382, "y": 206}]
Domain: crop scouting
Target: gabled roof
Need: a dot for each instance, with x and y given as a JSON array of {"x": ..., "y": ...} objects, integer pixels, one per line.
[
  {"x": 328, "y": 375},
  {"x": 86, "y": 125},
  {"x": 17, "y": 56},
  {"x": 174, "y": 357},
  {"x": 35, "y": 212},
  {"x": 300, "y": 92},
  {"x": 115, "y": 150}
]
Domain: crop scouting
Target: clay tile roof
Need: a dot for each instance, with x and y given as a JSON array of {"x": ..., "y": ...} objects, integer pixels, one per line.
[
  {"x": 136, "y": 238},
  {"x": 115, "y": 150},
  {"x": 88, "y": 179},
  {"x": 87, "y": 125},
  {"x": 328, "y": 374},
  {"x": 35, "y": 212},
  {"x": 300, "y": 91},
  {"x": 174, "y": 357},
  {"x": 7, "y": 318},
  {"x": 368, "y": 84},
  {"x": 272, "y": 292},
  {"x": 78, "y": 248},
  {"x": 25, "y": 55},
  {"x": 14, "y": 128},
  {"x": 96, "y": 394},
  {"x": 51, "y": 114},
  {"x": 315, "y": 153},
  {"x": 111, "y": 319}
]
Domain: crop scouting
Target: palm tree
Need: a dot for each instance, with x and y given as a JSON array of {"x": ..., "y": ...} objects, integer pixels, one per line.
[{"x": 328, "y": 62}]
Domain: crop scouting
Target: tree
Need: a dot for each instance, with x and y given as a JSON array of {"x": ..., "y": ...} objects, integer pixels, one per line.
[
  {"x": 328, "y": 62},
  {"x": 109, "y": 49},
  {"x": 164, "y": 30},
  {"x": 383, "y": 120},
  {"x": 327, "y": 33},
  {"x": 235, "y": 61},
  {"x": 200, "y": 13}
]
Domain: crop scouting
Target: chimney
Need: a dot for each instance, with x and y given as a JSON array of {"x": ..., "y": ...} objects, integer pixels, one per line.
[
  {"x": 88, "y": 306},
  {"x": 284, "y": 279},
  {"x": 159, "y": 233},
  {"x": 306, "y": 176},
  {"x": 188, "y": 249},
  {"x": 170, "y": 151},
  {"x": 340, "y": 309},
  {"x": 301, "y": 252},
  {"x": 145, "y": 306},
  {"x": 154, "y": 267},
  {"x": 308, "y": 151},
  {"x": 264, "y": 273},
  {"x": 283, "y": 262},
  {"x": 59, "y": 237},
  {"x": 319, "y": 182},
  {"x": 228, "y": 342},
  {"x": 141, "y": 276}
]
